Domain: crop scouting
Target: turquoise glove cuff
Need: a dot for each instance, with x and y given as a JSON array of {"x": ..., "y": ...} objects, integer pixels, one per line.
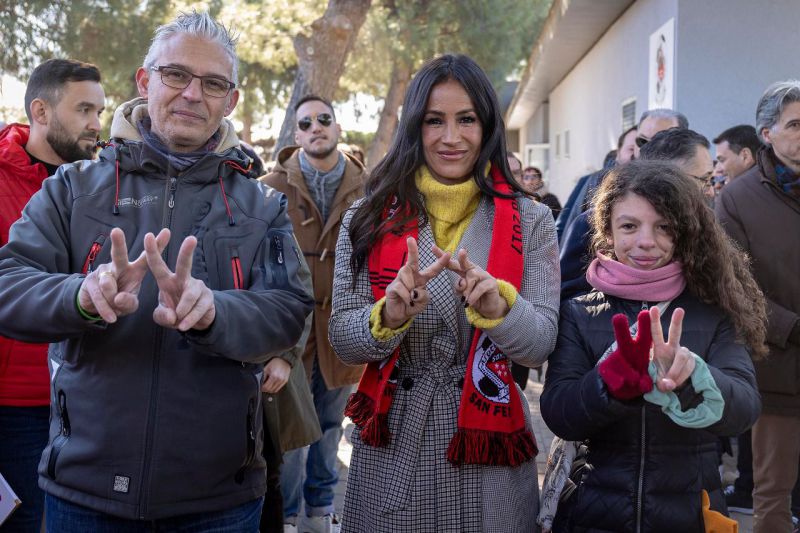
[{"x": 709, "y": 412}]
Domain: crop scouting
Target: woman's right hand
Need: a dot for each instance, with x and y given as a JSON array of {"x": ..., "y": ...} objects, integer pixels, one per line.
[{"x": 407, "y": 295}]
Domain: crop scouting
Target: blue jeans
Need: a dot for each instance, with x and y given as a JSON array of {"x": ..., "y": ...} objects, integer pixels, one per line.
[
  {"x": 321, "y": 474},
  {"x": 66, "y": 517},
  {"x": 23, "y": 437}
]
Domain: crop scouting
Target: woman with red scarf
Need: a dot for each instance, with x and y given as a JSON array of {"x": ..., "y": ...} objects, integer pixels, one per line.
[
  {"x": 445, "y": 273},
  {"x": 653, "y": 365}
]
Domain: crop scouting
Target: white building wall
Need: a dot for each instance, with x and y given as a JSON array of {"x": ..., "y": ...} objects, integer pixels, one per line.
[
  {"x": 588, "y": 102},
  {"x": 723, "y": 72}
]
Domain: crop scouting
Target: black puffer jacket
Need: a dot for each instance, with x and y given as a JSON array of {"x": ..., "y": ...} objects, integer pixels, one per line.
[{"x": 648, "y": 471}]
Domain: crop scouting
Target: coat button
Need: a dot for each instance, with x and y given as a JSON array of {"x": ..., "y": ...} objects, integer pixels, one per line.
[{"x": 407, "y": 383}]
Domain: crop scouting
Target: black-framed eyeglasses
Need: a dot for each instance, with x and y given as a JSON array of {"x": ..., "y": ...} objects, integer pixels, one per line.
[
  {"x": 641, "y": 141},
  {"x": 178, "y": 78},
  {"x": 325, "y": 120}
]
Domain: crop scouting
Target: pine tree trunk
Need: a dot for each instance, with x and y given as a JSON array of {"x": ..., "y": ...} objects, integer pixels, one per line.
[
  {"x": 401, "y": 76},
  {"x": 321, "y": 57},
  {"x": 247, "y": 115}
]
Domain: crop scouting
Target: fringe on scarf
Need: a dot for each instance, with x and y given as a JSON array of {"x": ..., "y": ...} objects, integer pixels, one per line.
[
  {"x": 479, "y": 447},
  {"x": 374, "y": 426}
]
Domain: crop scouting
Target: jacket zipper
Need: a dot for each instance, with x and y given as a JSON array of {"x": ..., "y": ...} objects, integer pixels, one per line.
[
  {"x": 62, "y": 437},
  {"x": 279, "y": 248},
  {"x": 251, "y": 441},
  {"x": 640, "y": 481},
  {"x": 276, "y": 256},
  {"x": 640, "y": 487},
  {"x": 159, "y": 340},
  {"x": 97, "y": 245},
  {"x": 173, "y": 187},
  {"x": 236, "y": 269}
]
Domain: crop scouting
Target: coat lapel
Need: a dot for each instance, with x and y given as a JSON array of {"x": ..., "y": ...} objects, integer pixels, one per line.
[{"x": 474, "y": 240}]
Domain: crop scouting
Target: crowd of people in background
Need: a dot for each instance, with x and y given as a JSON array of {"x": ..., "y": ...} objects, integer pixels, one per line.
[{"x": 185, "y": 326}]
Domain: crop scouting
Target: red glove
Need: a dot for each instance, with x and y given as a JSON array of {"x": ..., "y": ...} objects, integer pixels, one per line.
[{"x": 624, "y": 371}]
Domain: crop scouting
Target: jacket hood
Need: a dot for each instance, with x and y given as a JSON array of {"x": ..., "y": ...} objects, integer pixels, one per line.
[
  {"x": 127, "y": 115},
  {"x": 13, "y": 156},
  {"x": 285, "y": 153}
]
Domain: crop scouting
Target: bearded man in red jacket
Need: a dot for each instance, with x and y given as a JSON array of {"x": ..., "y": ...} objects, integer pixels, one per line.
[{"x": 63, "y": 101}]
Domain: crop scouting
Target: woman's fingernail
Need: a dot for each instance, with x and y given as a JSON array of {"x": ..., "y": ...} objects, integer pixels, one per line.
[
  {"x": 466, "y": 305},
  {"x": 414, "y": 294},
  {"x": 463, "y": 299},
  {"x": 411, "y": 303}
]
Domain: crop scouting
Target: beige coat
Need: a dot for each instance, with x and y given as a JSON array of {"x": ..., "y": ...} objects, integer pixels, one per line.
[{"x": 318, "y": 243}]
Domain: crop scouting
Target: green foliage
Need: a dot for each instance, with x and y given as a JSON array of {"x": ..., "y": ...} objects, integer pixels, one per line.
[
  {"x": 498, "y": 34},
  {"x": 28, "y": 31},
  {"x": 115, "y": 35},
  {"x": 361, "y": 138},
  {"x": 112, "y": 34}
]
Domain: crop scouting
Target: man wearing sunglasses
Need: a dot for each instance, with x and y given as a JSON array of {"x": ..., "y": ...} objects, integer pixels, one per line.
[
  {"x": 164, "y": 278},
  {"x": 320, "y": 183}
]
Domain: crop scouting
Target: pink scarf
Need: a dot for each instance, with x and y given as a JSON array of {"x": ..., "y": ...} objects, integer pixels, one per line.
[{"x": 614, "y": 278}]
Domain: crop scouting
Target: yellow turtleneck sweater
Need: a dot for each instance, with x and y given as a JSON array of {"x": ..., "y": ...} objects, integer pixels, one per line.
[{"x": 450, "y": 209}]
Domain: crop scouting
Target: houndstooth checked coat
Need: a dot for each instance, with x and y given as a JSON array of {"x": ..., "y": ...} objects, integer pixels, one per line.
[{"x": 409, "y": 485}]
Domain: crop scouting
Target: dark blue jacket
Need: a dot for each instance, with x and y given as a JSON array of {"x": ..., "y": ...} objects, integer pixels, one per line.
[{"x": 648, "y": 472}]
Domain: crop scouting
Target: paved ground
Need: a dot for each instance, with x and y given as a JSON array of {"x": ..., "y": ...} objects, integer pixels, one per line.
[{"x": 544, "y": 437}]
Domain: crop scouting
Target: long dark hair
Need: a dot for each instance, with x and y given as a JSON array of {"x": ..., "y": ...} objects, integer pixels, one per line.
[
  {"x": 717, "y": 271},
  {"x": 394, "y": 174}
]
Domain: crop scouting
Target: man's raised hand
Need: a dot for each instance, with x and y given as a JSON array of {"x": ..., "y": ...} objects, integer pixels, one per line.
[
  {"x": 183, "y": 302},
  {"x": 112, "y": 290}
]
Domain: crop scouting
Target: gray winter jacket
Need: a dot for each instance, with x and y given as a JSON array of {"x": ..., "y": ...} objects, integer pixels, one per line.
[{"x": 148, "y": 422}]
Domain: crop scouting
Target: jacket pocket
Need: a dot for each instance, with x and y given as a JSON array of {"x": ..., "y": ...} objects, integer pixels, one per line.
[
  {"x": 63, "y": 436},
  {"x": 277, "y": 261},
  {"x": 228, "y": 254},
  {"x": 254, "y": 427}
]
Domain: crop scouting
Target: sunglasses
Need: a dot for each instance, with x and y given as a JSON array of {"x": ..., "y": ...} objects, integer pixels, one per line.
[
  {"x": 641, "y": 141},
  {"x": 324, "y": 119}
]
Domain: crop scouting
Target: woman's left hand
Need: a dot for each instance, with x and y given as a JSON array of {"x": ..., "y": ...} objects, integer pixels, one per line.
[
  {"x": 674, "y": 362},
  {"x": 477, "y": 288}
]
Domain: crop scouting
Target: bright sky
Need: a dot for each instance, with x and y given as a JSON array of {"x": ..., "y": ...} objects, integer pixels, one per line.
[{"x": 12, "y": 99}]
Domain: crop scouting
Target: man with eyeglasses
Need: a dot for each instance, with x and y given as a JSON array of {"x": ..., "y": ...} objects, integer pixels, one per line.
[
  {"x": 760, "y": 210},
  {"x": 320, "y": 183},
  {"x": 163, "y": 278}
]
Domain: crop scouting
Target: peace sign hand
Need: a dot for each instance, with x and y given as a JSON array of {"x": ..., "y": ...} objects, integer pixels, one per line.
[
  {"x": 478, "y": 288},
  {"x": 183, "y": 302},
  {"x": 407, "y": 295},
  {"x": 674, "y": 362},
  {"x": 112, "y": 290}
]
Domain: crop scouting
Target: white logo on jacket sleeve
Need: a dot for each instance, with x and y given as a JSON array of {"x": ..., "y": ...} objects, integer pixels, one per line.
[{"x": 121, "y": 483}]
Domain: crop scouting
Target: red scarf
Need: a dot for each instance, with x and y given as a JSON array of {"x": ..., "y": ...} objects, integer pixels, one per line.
[{"x": 491, "y": 424}]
